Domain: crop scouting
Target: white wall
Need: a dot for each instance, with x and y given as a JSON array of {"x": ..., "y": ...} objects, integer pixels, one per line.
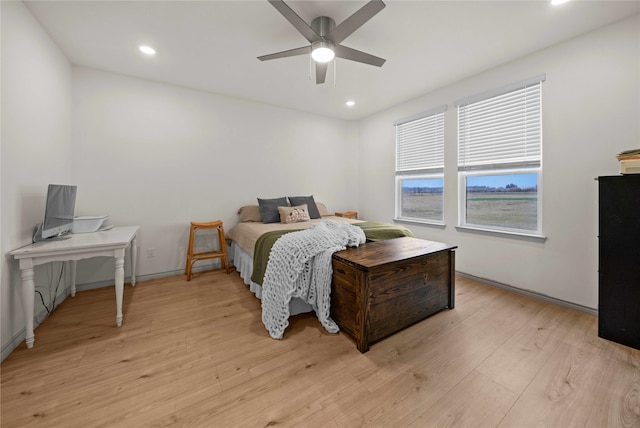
[
  {"x": 36, "y": 145},
  {"x": 591, "y": 111},
  {"x": 161, "y": 156}
]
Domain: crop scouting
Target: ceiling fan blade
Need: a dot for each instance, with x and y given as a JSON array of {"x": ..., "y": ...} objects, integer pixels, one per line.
[
  {"x": 321, "y": 71},
  {"x": 355, "y": 21},
  {"x": 358, "y": 56},
  {"x": 302, "y": 27},
  {"x": 284, "y": 54}
]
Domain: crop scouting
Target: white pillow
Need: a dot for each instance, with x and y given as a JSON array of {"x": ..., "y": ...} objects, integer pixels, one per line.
[{"x": 294, "y": 214}]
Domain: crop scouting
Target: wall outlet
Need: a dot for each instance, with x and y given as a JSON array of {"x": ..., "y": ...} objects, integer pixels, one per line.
[{"x": 151, "y": 252}]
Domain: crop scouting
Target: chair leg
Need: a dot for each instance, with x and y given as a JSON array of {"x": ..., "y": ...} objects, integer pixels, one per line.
[
  {"x": 189, "y": 263},
  {"x": 223, "y": 248}
]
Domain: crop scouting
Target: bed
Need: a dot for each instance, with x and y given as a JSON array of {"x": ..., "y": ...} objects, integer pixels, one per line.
[
  {"x": 247, "y": 232},
  {"x": 251, "y": 239}
]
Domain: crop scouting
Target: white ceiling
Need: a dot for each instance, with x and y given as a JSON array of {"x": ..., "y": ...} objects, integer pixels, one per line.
[{"x": 213, "y": 45}]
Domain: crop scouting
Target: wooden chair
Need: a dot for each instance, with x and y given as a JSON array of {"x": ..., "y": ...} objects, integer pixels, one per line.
[{"x": 220, "y": 253}]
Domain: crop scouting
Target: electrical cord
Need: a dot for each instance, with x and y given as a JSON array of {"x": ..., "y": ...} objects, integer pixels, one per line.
[
  {"x": 43, "y": 304},
  {"x": 55, "y": 293}
]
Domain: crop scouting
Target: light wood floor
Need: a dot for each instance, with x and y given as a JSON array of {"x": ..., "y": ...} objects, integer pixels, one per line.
[{"x": 196, "y": 354}]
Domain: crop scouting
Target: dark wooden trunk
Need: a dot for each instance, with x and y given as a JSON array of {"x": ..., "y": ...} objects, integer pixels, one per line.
[{"x": 382, "y": 287}]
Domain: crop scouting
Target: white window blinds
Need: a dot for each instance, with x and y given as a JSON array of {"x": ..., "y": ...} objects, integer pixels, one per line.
[
  {"x": 503, "y": 128},
  {"x": 420, "y": 142}
]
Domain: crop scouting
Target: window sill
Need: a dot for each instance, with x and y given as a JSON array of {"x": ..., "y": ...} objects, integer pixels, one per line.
[
  {"x": 432, "y": 223},
  {"x": 507, "y": 234}
]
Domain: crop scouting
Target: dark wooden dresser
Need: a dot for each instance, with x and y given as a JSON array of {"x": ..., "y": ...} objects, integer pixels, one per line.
[
  {"x": 619, "y": 259},
  {"x": 382, "y": 287}
]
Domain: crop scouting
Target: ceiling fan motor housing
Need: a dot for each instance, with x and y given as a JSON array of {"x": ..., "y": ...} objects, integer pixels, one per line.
[{"x": 323, "y": 25}]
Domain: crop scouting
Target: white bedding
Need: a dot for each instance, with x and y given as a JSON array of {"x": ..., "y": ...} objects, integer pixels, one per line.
[{"x": 243, "y": 238}]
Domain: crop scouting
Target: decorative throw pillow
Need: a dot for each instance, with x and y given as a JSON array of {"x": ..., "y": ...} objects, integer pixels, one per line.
[
  {"x": 250, "y": 213},
  {"x": 294, "y": 214},
  {"x": 311, "y": 204},
  {"x": 269, "y": 209}
]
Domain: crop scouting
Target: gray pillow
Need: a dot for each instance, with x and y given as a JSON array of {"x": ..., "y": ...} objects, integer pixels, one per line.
[
  {"x": 269, "y": 209},
  {"x": 311, "y": 204}
]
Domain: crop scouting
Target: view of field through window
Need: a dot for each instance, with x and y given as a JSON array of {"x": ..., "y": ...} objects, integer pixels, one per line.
[
  {"x": 504, "y": 200},
  {"x": 422, "y": 198}
]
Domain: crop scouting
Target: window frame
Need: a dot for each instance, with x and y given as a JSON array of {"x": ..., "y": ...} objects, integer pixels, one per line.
[
  {"x": 428, "y": 167},
  {"x": 499, "y": 164}
]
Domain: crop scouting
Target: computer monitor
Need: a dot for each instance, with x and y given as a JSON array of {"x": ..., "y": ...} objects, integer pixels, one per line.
[{"x": 59, "y": 211}]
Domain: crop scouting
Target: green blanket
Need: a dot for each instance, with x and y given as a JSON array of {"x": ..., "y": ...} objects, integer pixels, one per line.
[{"x": 373, "y": 230}]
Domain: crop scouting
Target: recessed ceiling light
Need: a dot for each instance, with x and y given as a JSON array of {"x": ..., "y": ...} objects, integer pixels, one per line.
[
  {"x": 558, "y": 2},
  {"x": 350, "y": 103},
  {"x": 147, "y": 50}
]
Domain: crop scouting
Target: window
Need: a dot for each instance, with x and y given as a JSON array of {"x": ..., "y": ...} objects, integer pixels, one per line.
[
  {"x": 500, "y": 159},
  {"x": 420, "y": 166}
]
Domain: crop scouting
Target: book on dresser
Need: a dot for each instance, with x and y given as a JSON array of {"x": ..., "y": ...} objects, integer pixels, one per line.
[{"x": 629, "y": 161}]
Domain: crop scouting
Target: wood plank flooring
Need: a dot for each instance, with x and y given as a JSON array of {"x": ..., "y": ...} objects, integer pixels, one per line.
[{"x": 196, "y": 354}]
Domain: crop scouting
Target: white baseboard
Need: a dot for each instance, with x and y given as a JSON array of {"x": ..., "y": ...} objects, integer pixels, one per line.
[{"x": 531, "y": 294}]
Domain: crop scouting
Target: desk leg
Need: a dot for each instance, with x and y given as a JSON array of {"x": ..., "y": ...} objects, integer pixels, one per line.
[
  {"x": 72, "y": 267},
  {"x": 119, "y": 254},
  {"x": 134, "y": 258},
  {"x": 28, "y": 290}
]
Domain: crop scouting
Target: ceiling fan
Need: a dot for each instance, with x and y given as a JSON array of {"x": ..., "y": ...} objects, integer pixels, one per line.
[{"x": 325, "y": 37}]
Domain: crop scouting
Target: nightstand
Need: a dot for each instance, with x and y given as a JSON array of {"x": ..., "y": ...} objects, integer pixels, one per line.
[{"x": 348, "y": 214}]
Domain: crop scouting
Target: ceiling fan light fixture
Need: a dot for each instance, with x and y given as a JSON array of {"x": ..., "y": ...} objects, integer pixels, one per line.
[{"x": 322, "y": 51}]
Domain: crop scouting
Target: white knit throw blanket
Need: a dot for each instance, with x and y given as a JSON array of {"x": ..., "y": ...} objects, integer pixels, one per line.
[{"x": 300, "y": 266}]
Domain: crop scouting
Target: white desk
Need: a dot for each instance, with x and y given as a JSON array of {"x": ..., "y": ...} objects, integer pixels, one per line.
[{"x": 110, "y": 243}]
